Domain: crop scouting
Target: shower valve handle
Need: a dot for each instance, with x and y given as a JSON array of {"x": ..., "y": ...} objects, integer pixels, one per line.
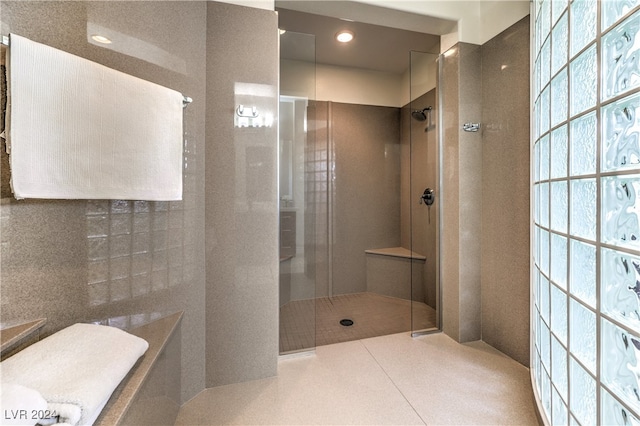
[{"x": 428, "y": 197}]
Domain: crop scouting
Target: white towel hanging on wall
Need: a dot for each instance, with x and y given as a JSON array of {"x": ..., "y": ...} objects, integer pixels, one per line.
[{"x": 80, "y": 130}]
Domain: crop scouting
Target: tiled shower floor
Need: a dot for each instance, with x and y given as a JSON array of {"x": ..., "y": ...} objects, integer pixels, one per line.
[{"x": 372, "y": 314}]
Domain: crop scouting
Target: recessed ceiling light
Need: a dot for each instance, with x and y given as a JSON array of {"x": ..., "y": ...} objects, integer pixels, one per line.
[
  {"x": 101, "y": 39},
  {"x": 345, "y": 36}
]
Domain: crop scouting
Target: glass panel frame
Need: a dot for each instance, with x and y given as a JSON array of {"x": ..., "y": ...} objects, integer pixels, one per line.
[
  {"x": 426, "y": 315},
  {"x": 301, "y": 198}
]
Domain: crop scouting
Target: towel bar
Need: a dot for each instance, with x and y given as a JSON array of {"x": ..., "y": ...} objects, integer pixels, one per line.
[{"x": 186, "y": 100}]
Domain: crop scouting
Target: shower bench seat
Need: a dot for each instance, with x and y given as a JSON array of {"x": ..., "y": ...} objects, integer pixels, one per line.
[{"x": 395, "y": 272}]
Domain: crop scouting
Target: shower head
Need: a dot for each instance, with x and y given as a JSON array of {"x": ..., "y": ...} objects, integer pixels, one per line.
[{"x": 419, "y": 114}]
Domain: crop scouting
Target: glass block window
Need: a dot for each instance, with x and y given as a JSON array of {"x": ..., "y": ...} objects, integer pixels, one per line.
[
  {"x": 585, "y": 173},
  {"x": 559, "y": 98},
  {"x": 584, "y": 80},
  {"x": 620, "y": 142},
  {"x": 620, "y": 65},
  {"x": 583, "y": 144},
  {"x": 612, "y": 11},
  {"x": 559, "y": 154},
  {"x": 559, "y": 260},
  {"x": 560, "y": 38}
]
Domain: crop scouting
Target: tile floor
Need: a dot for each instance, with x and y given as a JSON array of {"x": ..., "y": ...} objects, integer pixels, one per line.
[
  {"x": 392, "y": 379},
  {"x": 373, "y": 315}
]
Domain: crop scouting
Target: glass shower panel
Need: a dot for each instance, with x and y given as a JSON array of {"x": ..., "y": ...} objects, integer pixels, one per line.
[
  {"x": 300, "y": 169},
  {"x": 422, "y": 210}
]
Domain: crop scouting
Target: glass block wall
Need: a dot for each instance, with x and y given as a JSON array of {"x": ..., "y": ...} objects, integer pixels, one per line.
[{"x": 586, "y": 211}]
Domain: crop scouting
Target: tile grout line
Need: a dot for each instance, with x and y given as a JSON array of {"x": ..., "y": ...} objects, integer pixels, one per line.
[{"x": 392, "y": 381}]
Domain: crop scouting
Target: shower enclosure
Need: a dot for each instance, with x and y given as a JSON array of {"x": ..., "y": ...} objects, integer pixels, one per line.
[{"x": 358, "y": 241}]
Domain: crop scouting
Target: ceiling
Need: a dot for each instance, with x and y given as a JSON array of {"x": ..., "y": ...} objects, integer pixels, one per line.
[{"x": 374, "y": 47}]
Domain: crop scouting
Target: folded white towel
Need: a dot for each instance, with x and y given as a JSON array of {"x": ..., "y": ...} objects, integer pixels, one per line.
[
  {"x": 20, "y": 405},
  {"x": 79, "y": 366},
  {"x": 80, "y": 130},
  {"x": 68, "y": 413}
]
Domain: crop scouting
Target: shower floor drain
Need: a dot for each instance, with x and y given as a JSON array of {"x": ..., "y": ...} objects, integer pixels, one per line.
[{"x": 346, "y": 322}]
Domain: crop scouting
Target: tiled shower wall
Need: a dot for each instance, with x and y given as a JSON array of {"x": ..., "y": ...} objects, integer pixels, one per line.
[
  {"x": 121, "y": 263},
  {"x": 124, "y": 263},
  {"x": 461, "y": 197},
  {"x": 363, "y": 153},
  {"x": 485, "y": 237},
  {"x": 505, "y": 194},
  {"x": 241, "y": 196}
]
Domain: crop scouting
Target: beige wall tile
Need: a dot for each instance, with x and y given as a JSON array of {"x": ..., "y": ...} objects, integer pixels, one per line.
[{"x": 87, "y": 261}]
